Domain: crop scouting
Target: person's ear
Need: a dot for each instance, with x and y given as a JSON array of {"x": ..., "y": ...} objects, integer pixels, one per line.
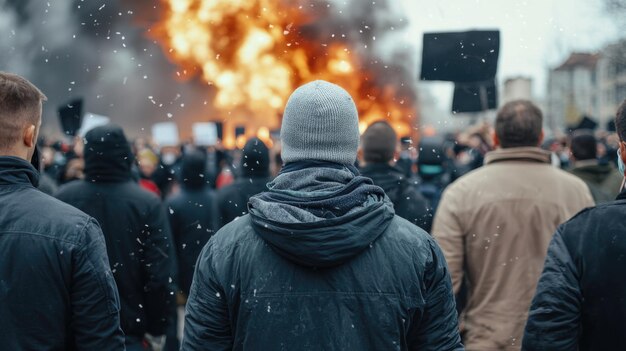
[
  {"x": 496, "y": 141},
  {"x": 396, "y": 155},
  {"x": 541, "y": 136},
  {"x": 29, "y": 137},
  {"x": 571, "y": 155}
]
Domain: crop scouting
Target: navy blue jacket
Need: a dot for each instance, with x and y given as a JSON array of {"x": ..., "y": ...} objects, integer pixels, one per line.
[
  {"x": 580, "y": 302},
  {"x": 56, "y": 288}
]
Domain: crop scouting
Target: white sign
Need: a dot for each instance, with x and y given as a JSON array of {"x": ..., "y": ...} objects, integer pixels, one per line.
[
  {"x": 91, "y": 121},
  {"x": 165, "y": 134},
  {"x": 205, "y": 134}
]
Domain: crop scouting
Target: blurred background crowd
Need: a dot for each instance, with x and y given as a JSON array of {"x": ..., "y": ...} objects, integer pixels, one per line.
[{"x": 233, "y": 175}]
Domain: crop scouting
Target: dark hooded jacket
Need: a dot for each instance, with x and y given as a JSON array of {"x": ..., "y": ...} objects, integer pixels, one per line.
[
  {"x": 254, "y": 174},
  {"x": 579, "y": 301},
  {"x": 321, "y": 263},
  {"x": 603, "y": 180},
  {"x": 136, "y": 231},
  {"x": 56, "y": 288},
  {"x": 407, "y": 201},
  {"x": 193, "y": 216}
]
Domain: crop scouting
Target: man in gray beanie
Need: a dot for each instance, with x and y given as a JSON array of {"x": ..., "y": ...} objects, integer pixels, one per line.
[{"x": 321, "y": 262}]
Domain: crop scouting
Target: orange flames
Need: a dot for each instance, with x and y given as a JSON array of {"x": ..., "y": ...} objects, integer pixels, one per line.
[{"x": 256, "y": 52}]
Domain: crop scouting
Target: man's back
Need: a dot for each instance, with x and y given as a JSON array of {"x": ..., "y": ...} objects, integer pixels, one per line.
[
  {"x": 324, "y": 265},
  {"x": 139, "y": 247},
  {"x": 376, "y": 301},
  {"x": 497, "y": 222},
  {"x": 56, "y": 287},
  {"x": 193, "y": 219},
  {"x": 321, "y": 262},
  {"x": 580, "y": 296},
  {"x": 407, "y": 200},
  {"x": 603, "y": 180},
  {"x": 232, "y": 200}
]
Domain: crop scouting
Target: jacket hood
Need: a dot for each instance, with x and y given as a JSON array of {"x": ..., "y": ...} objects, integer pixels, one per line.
[
  {"x": 320, "y": 214},
  {"x": 255, "y": 160},
  {"x": 108, "y": 157},
  {"x": 193, "y": 172},
  {"x": 14, "y": 170}
]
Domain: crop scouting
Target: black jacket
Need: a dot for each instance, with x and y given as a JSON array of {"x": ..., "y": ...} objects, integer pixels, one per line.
[
  {"x": 193, "y": 216},
  {"x": 253, "y": 175},
  {"x": 407, "y": 201},
  {"x": 580, "y": 299},
  {"x": 56, "y": 287},
  {"x": 355, "y": 278},
  {"x": 232, "y": 200},
  {"x": 603, "y": 180},
  {"x": 136, "y": 231}
]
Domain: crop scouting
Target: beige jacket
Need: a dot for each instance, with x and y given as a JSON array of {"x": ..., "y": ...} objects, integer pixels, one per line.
[{"x": 494, "y": 225}]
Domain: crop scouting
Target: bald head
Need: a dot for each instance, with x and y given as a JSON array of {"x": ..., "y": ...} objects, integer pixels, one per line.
[{"x": 20, "y": 115}]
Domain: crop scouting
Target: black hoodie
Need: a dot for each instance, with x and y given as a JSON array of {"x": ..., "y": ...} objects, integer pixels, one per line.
[
  {"x": 254, "y": 174},
  {"x": 192, "y": 214},
  {"x": 136, "y": 231}
]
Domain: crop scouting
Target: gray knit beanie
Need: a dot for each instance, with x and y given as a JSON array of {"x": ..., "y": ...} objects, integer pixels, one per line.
[{"x": 320, "y": 123}]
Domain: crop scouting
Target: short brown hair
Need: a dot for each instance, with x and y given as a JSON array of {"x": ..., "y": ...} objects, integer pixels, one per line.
[
  {"x": 518, "y": 124},
  {"x": 620, "y": 121},
  {"x": 20, "y": 105}
]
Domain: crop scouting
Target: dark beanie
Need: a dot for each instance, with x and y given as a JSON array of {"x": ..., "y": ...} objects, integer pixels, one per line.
[
  {"x": 255, "y": 161},
  {"x": 193, "y": 171},
  {"x": 379, "y": 143},
  {"x": 108, "y": 157}
]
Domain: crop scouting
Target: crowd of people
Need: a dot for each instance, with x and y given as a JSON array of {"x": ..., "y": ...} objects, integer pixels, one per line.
[{"x": 496, "y": 238}]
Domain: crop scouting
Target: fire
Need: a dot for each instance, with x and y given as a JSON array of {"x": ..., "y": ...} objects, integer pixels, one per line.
[{"x": 256, "y": 52}]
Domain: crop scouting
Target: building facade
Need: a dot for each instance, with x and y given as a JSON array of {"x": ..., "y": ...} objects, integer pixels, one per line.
[
  {"x": 587, "y": 84},
  {"x": 516, "y": 88}
]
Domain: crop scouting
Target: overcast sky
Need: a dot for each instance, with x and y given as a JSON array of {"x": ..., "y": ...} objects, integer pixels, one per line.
[{"x": 535, "y": 34}]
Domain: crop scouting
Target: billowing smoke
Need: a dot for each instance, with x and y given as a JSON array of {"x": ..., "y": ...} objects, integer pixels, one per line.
[
  {"x": 97, "y": 50},
  {"x": 374, "y": 29},
  {"x": 102, "y": 51}
]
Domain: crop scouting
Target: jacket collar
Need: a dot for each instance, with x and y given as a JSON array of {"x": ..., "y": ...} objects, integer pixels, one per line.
[
  {"x": 586, "y": 163},
  {"x": 622, "y": 195},
  {"x": 518, "y": 154},
  {"x": 16, "y": 171}
]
